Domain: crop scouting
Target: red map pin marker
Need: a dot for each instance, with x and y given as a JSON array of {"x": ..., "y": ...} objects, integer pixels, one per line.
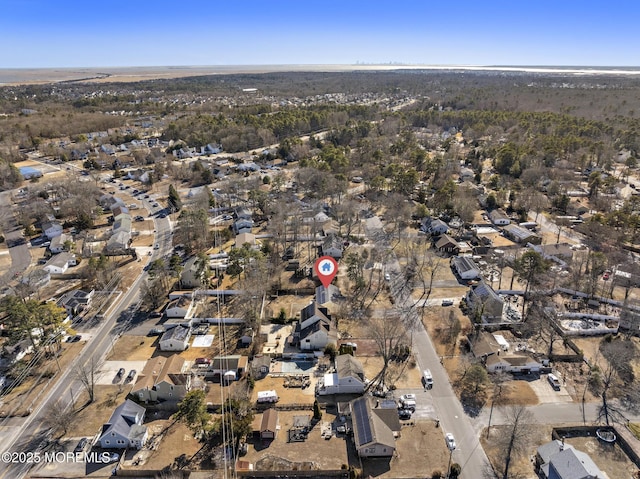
[{"x": 326, "y": 269}]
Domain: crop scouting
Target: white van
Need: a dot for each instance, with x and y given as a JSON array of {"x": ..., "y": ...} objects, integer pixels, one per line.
[{"x": 427, "y": 379}]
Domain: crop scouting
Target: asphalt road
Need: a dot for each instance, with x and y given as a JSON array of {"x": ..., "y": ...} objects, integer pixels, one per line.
[
  {"x": 28, "y": 434},
  {"x": 445, "y": 406},
  {"x": 13, "y": 234}
]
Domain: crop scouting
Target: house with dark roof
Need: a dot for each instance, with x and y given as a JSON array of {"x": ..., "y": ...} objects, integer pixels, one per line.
[
  {"x": 225, "y": 365},
  {"x": 465, "y": 268},
  {"x": 162, "y": 379},
  {"x": 175, "y": 339},
  {"x": 315, "y": 329},
  {"x": 446, "y": 244},
  {"x": 438, "y": 227},
  {"x": 124, "y": 429},
  {"x": 556, "y": 460},
  {"x": 75, "y": 301},
  {"x": 484, "y": 302},
  {"x": 269, "y": 422},
  {"x": 326, "y": 297},
  {"x": 522, "y": 235},
  {"x": 348, "y": 378},
  {"x": 373, "y": 428}
]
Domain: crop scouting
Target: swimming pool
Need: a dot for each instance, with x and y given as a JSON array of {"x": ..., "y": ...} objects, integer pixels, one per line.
[{"x": 297, "y": 366}]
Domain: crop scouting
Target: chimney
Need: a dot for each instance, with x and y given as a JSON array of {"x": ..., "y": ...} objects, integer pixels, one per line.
[{"x": 562, "y": 445}]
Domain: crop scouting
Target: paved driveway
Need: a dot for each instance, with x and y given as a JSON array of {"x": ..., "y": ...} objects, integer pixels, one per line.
[
  {"x": 546, "y": 394},
  {"x": 109, "y": 370}
]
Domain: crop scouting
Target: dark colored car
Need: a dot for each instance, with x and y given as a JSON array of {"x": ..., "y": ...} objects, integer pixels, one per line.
[
  {"x": 81, "y": 445},
  {"x": 120, "y": 373},
  {"x": 131, "y": 375},
  {"x": 404, "y": 413}
]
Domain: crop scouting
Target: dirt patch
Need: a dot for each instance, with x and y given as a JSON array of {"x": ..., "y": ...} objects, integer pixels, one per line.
[
  {"x": 320, "y": 452},
  {"x": 170, "y": 445},
  {"x": 610, "y": 458},
  {"x": 404, "y": 376},
  {"x": 287, "y": 395},
  {"x": 133, "y": 348},
  {"x": 413, "y": 457},
  {"x": 518, "y": 392},
  {"x": 89, "y": 418}
]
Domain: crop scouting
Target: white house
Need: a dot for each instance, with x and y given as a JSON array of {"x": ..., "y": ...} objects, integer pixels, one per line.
[
  {"x": 315, "y": 329},
  {"x": 57, "y": 243},
  {"x": 512, "y": 363},
  {"x": 175, "y": 339},
  {"x": 181, "y": 307},
  {"x": 332, "y": 246},
  {"x": 348, "y": 378},
  {"x": 499, "y": 218},
  {"x": 465, "y": 268},
  {"x": 124, "y": 429},
  {"x": 59, "y": 263},
  {"x": 192, "y": 273},
  {"x": 51, "y": 229}
]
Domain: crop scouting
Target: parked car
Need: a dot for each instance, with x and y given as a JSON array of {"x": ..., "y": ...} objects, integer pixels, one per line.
[
  {"x": 81, "y": 445},
  {"x": 131, "y": 375},
  {"x": 120, "y": 373},
  {"x": 203, "y": 361},
  {"x": 404, "y": 414},
  {"x": 451, "y": 442},
  {"x": 156, "y": 246},
  {"x": 447, "y": 302},
  {"x": 554, "y": 381},
  {"x": 408, "y": 397},
  {"x": 387, "y": 277},
  {"x": 156, "y": 331}
]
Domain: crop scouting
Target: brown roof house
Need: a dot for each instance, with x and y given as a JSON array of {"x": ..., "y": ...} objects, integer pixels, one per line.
[
  {"x": 162, "y": 379},
  {"x": 268, "y": 425}
]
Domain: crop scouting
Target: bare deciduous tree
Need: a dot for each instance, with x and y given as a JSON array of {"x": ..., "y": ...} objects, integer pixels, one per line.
[
  {"x": 516, "y": 438},
  {"x": 87, "y": 374}
]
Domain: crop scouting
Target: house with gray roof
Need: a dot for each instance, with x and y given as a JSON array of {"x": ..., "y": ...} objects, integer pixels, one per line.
[
  {"x": 326, "y": 297},
  {"x": 124, "y": 429},
  {"x": 348, "y": 378},
  {"x": 484, "y": 302},
  {"x": 175, "y": 339},
  {"x": 556, "y": 460},
  {"x": 522, "y": 235},
  {"x": 465, "y": 268},
  {"x": 373, "y": 432},
  {"x": 499, "y": 218}
]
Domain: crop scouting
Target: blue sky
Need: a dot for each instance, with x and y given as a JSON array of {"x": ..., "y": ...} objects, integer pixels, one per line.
[{"x": 68, "y": 33}]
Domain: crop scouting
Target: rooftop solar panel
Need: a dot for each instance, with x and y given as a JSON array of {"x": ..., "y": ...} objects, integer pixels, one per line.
[{"x": 361, "y": 416}]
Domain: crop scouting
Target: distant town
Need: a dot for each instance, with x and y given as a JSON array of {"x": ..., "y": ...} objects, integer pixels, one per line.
[{"x": 474, "y": 314}]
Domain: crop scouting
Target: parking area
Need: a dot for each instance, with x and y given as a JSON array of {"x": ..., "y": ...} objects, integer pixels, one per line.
[
  {"x": 546, "y": 394},
  {"x": 109, "y": 370}
]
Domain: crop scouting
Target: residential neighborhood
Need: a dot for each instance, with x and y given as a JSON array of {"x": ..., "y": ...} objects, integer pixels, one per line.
[{"x": 162, "y": 301}]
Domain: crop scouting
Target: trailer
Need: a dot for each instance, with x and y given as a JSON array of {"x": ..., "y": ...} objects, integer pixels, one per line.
[{"x": 267, "y": 397}]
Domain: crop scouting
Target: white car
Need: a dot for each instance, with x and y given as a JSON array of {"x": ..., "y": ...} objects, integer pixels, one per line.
[
  {"x": 387, "y": 277},
  {"x": 451, "y": 442},
  {"x": 408, "y": 397}
]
